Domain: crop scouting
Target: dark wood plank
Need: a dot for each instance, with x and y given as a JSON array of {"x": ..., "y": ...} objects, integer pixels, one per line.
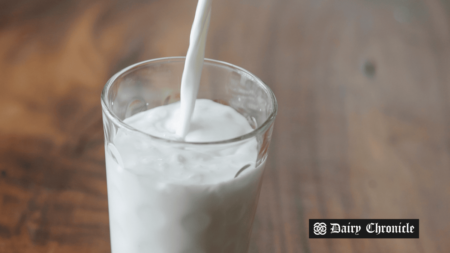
[{"x": 362, "y": 130}]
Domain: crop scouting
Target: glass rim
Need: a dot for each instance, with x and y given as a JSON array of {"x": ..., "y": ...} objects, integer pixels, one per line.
[{"x": 111, "y": 115}]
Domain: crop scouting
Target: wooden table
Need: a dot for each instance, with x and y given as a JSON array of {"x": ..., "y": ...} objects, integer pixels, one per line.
[{"x": 363, "y": 129}]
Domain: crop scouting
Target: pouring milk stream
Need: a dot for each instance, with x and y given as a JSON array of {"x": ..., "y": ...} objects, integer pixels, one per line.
[
  {"x": 182, "y": 198},
  {"x": 194, "y": 64}
]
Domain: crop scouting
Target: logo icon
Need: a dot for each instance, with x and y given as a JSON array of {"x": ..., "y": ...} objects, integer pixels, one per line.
[{"x": 320, "y": 228}]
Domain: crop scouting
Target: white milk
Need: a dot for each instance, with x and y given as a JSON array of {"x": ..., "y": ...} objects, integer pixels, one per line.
[
  {"x": 180, "y": 198},
  {"x": 190, "y": 80},
  {"x": 183, "y": 198}
]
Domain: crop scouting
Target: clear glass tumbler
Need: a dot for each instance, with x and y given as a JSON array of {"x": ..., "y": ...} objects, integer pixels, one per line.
[{"x": 151, "y": 207}]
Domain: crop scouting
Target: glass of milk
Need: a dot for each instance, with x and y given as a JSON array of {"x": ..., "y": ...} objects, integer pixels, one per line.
[{"x": 183, "y": 196}]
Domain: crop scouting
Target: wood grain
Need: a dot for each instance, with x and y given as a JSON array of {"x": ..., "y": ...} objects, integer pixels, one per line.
[{"x": 362, "y": 131}]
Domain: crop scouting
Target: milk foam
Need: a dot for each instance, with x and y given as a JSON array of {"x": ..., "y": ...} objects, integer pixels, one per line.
[{"x": 210, "y": 122}]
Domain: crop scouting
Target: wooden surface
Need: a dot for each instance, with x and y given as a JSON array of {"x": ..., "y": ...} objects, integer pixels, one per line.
[{"x": 363, "y": 129}]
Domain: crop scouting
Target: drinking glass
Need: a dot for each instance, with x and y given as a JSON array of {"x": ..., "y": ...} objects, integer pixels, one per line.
[{"x": 146, "y": 213}]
